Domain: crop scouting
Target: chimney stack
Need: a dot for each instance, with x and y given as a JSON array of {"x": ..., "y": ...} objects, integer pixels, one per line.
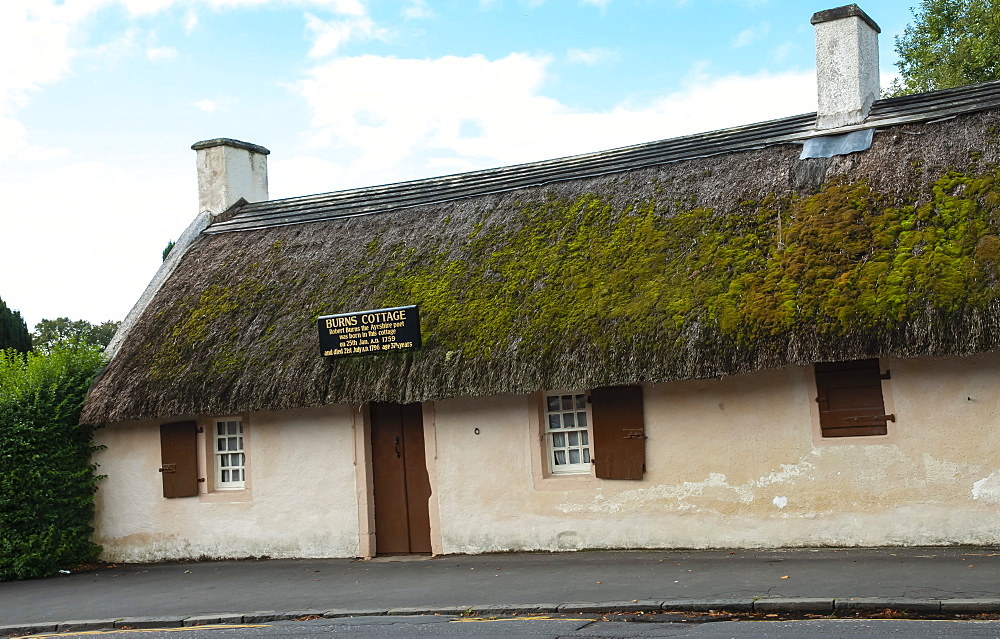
[
  {"x": 229, "y": 170},
  {"x": 846, "y": 66}
]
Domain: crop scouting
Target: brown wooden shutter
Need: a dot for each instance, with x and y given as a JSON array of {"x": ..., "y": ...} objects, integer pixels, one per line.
[
  {"x": 619, "y": 432},
  {"x": 849, "y": 395},
  {"x": 179, "y": 457}
]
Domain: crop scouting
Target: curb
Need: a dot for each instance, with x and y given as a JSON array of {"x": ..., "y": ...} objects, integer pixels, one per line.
[{"x": 819, "y": 605}]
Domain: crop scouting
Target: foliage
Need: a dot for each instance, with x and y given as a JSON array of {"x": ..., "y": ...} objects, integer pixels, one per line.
[
  {"x": 950, "y": 43},
  {"x": 47, "y": 482},
  {"x": 49, "y": 332},
  {"x": 843, "y": 259},
  {"x": 13, "y": 330},
  {"x": 169, "y": 247}
]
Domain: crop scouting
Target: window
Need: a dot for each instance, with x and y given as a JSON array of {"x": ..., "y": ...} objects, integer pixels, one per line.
[
  {"x": 230, "y": 461},
  {"x": 603, "y": 428},
  {"x": 849, "y": 395},
  {"x": 567, "y": 434}
]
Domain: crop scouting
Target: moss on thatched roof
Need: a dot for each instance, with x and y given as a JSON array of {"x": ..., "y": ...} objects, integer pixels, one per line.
[{"x": 706, "y": 267}]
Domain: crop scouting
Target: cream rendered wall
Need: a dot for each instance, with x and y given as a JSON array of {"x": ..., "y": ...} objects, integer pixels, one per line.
[
  {"x": 738, "y": 462},
  {"x": 300, "y": 499}
]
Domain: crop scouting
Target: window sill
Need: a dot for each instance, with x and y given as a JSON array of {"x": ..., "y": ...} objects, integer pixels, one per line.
[
  {"x": 226, "y": 495},
  {"x": 568, "y": 481}
]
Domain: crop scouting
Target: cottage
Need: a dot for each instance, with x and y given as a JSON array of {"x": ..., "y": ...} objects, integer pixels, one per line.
[{"x": 782, "y": 334}]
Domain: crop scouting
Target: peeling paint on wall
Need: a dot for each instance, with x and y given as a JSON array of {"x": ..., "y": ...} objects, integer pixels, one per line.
[
  {"x": 679, "y": 497},
  {"x": 988, "y": 488}
]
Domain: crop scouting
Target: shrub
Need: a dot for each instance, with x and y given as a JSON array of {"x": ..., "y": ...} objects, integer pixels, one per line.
[{"x": 47, "y": 481}]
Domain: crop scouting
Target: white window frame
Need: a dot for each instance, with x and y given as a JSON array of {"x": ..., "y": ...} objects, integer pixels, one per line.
[
  {"x": 232, "y": 444},
  {"x": 584, "y": 440}
]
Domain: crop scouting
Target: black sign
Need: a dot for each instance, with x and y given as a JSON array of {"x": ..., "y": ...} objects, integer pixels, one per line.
[{"x": 369, "y": 332}]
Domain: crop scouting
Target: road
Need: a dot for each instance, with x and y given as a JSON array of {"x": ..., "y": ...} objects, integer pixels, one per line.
[{"x": 428, "y": 627}]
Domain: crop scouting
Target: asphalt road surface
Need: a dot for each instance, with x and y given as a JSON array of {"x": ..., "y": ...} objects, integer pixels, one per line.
[{"x": 579, "y": 628}]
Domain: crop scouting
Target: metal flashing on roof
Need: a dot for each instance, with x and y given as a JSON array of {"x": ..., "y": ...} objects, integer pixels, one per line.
[
  {"x": 828, "y": 146},
  {"x": 920, "y": 108}
]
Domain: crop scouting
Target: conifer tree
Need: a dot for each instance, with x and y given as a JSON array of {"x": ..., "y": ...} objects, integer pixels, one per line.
[{"x": 13, "y": 330}]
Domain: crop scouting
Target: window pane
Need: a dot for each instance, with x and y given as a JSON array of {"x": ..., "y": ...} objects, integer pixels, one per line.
[
  {"x": 560, "y": 456},
  {"x": 569, "y": 421},
  {"x": 581, "y": 402},
  {"x": 241, "y": 459},
  {"x": 558, "y": 440},
  {"x": 237, "y": 475},
  {"x": 232, "y": 427},
  {"x": 222, "y": 444},
  {"x": 220, "y": 428},
  {"x": 225, "y": 475},
  {"x": 554, "y": 421},
  {"x": 586, "y": 455},
  {"x": 241, "y": 443},
  {"x": 574, "y": 438},
  {"x": 581, "y": 418},
  {"x": 574, "y": 456},
  {"x": 232, "y": 443},
  {"x": 240, "y": 426},
  {"x": 583, "y": 436},
  {"x": 553, "y": 402},
  {"x": 567, "y": 402}
]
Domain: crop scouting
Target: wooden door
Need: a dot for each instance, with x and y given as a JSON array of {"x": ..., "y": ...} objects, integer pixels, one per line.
[{"x": 402, "y": 486}]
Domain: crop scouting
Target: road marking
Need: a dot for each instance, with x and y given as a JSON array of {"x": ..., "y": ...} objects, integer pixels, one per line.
[
  {"x": 108, "y": 632},
  {"x": 532, "y": 618}
]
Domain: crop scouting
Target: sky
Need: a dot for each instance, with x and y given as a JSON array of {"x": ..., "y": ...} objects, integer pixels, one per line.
[{"x": 101, "y": 100}]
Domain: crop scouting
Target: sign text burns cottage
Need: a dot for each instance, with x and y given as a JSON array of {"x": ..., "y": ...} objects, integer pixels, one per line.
[{"x": 369, "y": 332}]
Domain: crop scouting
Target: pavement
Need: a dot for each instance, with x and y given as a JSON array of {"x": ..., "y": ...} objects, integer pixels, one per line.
[{"x": 922, "y": 581}]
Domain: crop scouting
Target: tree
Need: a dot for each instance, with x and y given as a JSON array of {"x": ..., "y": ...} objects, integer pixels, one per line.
[
  {"x": 49, "y": 332},
  {"x": 13, "y": 330},
  {"x": 169, "y": 247},
  {"x": 949, "y": 43}
]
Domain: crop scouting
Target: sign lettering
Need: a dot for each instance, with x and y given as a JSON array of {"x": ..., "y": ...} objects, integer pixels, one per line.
[{"x": 369, "y": 332}]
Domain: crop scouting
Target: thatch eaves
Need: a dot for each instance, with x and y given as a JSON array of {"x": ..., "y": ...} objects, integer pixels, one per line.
[{"x": 704, "y": 256}]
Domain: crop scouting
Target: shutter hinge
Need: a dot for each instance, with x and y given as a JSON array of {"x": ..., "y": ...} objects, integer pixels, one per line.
[
  {"x": 201, "y": 480},
  {"x": 887, "y": 418},
  {"x": 201, "y": 429},
  {"x": 886, "y": 375},
  {"x": 168, "y": 468}
]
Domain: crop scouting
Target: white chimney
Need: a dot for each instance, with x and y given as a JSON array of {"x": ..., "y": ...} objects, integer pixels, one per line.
[
  {"x": 229, "y": 170},
  {"x": 846, "y": 65}
]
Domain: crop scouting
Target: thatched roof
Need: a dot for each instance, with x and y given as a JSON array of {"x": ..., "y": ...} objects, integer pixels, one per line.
[{"x": 705, "y": 256}]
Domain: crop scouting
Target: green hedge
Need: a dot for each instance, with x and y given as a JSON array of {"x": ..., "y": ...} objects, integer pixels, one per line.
[{"x": 47, "y": 481}]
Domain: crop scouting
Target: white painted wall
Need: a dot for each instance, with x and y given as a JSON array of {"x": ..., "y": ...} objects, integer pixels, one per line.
[
  {"x": 739, "y": 462},
  {"x": 731, "y": 462},
  {"x": 300, "y": 500}
]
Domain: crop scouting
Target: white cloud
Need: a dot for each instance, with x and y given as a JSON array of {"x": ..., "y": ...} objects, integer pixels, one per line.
[
  {"x": 190, "y": 21},
  {"x": 209, "y": 106},
  {"x": 330, "y": 35},
  {"x": 591, "y": 56},
  {"x": 411, "y": 120},
  {"x": 109, "y": 251},
  {"x": 155, "y": 54},
  {"x": 417, "y": 10},
  {"x": 218, "y": 104},
  {"x": 600, "y": 4},
  {"x": 751, "y": 35},
  {"x": 783, "y": 51}
]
